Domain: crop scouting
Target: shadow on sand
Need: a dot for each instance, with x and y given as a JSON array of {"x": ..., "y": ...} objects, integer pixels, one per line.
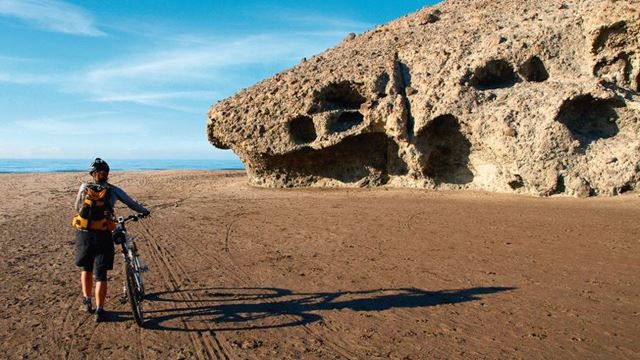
[{"x": 225, "y": 309}]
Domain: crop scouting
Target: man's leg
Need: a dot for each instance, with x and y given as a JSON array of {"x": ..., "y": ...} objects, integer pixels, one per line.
[
  {"x": 101, "y": 293},
  {"x": 86, "y": 280},
  {"x": 104, "y": 262},
  {"x": 85, "y": 256}
]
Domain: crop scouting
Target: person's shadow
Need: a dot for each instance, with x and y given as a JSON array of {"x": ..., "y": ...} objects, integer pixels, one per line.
[{"x": 264, "y": 308}]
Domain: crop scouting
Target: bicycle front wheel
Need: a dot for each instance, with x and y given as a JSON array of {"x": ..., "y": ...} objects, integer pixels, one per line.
[{"x": 134, "y": 294}]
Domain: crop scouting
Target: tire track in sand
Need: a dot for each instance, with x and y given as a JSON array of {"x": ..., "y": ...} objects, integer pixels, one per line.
[
  {"x": 60, "y": 335},
  {"x": 200, "y": 349},
  {"x": 205, "y": 342},
  {"x": 332, "y": 345},
  {"x": 75, "y": 336}
]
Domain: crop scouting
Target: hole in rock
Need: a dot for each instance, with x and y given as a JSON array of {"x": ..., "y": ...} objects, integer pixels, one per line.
[
  {"x": 617, "y": 70},
  {"x": 611, "y": 35},
  {"x": 302, "y": 130},
  {"x": 351, "y": 160},
  {"x": 494, "y": 74},
  {"x": 516, "y": 182},
  {"x": 342, "y": 95},
  {"x": 345, "y": 121},
  {"x": 560, "y": 186},
  {"x": 395, "y": 164},
  {"x": 381, "y": 84},
  {"x": 534, "y": 70},
  {"x": 589, "y": 119},
  {"x": 625, "y": 188},
  {"x": 445, "y": 151}
]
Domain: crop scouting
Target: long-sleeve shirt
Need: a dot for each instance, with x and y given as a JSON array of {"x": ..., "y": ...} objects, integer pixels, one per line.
[{"x": 115, "y": 193}]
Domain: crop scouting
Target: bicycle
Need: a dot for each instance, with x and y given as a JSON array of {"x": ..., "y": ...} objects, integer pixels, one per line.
[{"x": 133, "y": 287}]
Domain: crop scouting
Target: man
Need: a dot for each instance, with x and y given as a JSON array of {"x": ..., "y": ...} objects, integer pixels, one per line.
[{"x": 94, "y": 222}]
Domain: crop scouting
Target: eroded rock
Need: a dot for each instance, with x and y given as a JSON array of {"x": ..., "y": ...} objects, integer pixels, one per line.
[{"x": 530, "y": 97}]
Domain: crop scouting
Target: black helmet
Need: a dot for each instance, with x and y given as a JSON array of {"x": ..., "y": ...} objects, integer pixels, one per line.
[{"x": 98, "y": 165}]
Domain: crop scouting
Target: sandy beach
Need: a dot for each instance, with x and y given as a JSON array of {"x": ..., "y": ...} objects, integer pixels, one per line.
[{"x": 237, "y": 272}]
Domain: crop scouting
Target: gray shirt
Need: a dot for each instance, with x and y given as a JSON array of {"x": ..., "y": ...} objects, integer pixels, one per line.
[{"x": 115, "y": 193}]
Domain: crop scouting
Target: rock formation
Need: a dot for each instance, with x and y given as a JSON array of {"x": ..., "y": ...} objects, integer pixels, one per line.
[{"x": 538, "y": 97}]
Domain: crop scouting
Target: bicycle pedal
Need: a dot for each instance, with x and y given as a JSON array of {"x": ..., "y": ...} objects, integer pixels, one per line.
[{"x": 144, "y": 268}]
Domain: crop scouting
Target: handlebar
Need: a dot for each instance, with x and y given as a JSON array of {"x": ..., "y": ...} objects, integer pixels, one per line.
[{"x": 133, "y": 217}]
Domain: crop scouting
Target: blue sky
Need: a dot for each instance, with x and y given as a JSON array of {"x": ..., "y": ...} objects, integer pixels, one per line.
[{"x": 134, "y": 79}]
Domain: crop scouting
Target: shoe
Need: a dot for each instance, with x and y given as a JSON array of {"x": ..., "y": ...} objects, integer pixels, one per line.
[
  {"x": 86, "y": 306},
  {"x": 101, "y": 315}
]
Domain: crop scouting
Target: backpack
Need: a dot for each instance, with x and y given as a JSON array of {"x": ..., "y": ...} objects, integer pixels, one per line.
[{"x": 96, "y": 211}]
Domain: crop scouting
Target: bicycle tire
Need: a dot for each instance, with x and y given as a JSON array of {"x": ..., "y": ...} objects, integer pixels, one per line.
[
  {"x": 137, "y": 267},
  {"x": 132, "y": 294}
]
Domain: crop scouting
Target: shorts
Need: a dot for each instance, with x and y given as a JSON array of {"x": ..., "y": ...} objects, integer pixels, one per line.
[{"x": 95, "y": 252}]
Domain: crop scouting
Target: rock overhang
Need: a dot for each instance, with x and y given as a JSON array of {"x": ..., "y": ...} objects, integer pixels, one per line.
[{"x": 522, "y": 105}]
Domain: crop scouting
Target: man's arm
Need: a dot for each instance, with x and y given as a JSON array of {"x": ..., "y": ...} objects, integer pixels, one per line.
[
  {"x": 79, "y": 197},
  {"x": 127, "y": 200}
]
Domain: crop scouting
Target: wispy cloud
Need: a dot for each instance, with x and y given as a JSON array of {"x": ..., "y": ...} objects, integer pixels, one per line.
[
  {"x": 26, "y": 151},
  {"x": 185, "y": 77},
  {"x": 186, "y": 71},
  {"x": 148, "y": 64},
  {"x": 203, "y": 70},
  {"x": 29, "y": 78},
  {"x": 163, "y": 100},
  {"x": 189, "y": 61},
  {"x": 155, "y": 96},
  {"x": 107, "y": 123},
  {"x": 21, "y": 70},
  {"x": 312, "y": 20},
  {"x": 6, "y": 59},
  {"x": 52, "y": 15}
]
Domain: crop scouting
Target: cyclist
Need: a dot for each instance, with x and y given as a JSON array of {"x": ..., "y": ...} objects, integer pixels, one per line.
[{"x": 94, "y": 244}]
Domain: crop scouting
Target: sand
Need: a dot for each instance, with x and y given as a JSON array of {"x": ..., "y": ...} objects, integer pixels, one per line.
[{"x": 239, "y": 272}]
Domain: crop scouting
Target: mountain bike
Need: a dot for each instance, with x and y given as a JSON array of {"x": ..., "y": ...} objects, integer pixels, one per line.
[{"x": 133, "y": 287}]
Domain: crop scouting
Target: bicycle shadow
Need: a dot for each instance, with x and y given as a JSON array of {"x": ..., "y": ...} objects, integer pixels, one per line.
[
  {"x": 118, "y": 316},
  {"x": 233, "y": 309}
]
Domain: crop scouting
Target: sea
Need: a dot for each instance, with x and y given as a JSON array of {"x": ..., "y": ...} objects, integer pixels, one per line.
[{"x": 80, "y": 165}]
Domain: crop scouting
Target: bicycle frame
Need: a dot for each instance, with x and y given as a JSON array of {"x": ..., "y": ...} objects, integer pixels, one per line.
[{"x": 133, "y": 287}]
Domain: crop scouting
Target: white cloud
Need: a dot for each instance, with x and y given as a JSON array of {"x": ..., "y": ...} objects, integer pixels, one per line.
[
  {"x": 28, "y": 78},
  {"x": 190, "y": 61},
  {"x": 52, "y": 15},
  {"x": 87, "y": 124},
  {"x": 201, "y": 71},
  {"x": 6, "y": 59},
  {"x": 318, "y": 20},
  {"x": 165, "y": 100},
  {"x": 180, "y": 77},
  {"x": 186, "y": 72},
  {"x": 153, "y": 97},
  {"x": 28, "y": 151},
  {"x": 14, "y": 70}
]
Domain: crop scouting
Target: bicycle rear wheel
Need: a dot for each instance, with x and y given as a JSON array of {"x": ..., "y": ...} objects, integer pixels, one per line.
[{"x": 134, "y": 295}]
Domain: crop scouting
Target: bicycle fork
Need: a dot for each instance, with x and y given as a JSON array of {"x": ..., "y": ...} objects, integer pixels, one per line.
[{"x": 125, "y": 295}]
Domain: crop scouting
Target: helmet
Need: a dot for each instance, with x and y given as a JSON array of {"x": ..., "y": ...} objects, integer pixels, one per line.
[{"x": 98, "y": 165}]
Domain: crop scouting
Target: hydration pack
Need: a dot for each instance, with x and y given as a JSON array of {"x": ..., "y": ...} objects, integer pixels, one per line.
[{"x": 96, "y": 211}]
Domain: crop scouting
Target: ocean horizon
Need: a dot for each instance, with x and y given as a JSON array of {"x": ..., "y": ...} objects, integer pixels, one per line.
[{"x": 80, "y": 165}]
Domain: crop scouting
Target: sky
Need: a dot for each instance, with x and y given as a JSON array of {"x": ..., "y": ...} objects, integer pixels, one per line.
[{"x": 134, "y": 79}]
